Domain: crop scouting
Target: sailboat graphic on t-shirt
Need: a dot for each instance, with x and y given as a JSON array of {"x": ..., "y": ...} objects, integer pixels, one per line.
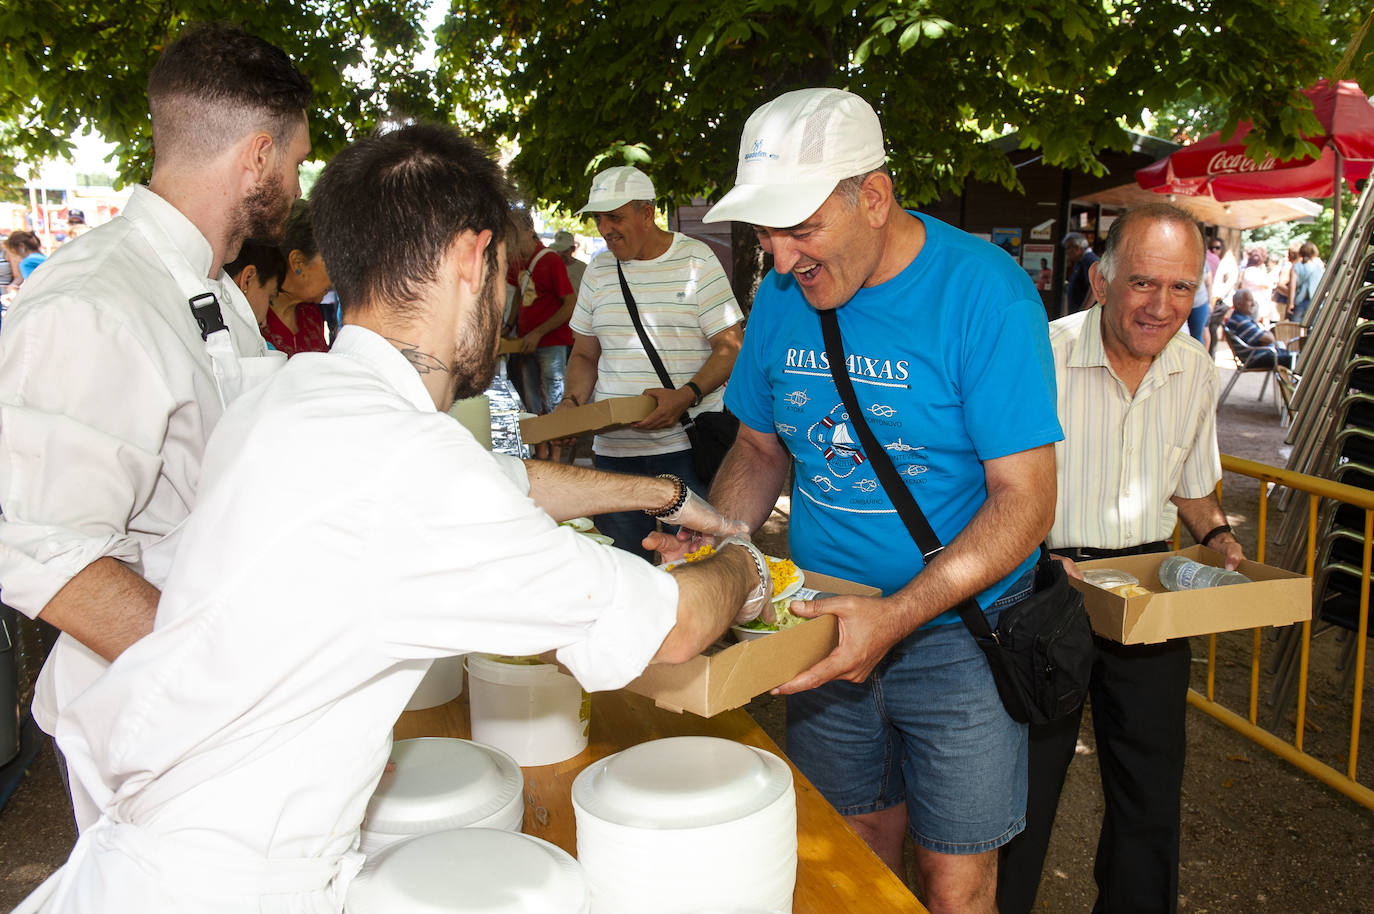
[{"x": 833, "y": 436}]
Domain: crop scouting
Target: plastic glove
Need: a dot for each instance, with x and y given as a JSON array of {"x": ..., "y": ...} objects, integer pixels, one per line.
[{"x": 697, "y": 514}]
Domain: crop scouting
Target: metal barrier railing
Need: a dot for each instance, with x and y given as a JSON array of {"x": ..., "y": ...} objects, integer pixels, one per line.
[{"x": 1248, "y": 725}]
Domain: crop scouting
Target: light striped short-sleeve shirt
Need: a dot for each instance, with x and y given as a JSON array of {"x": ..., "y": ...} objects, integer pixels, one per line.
[
  {"x": 1123, "y": 457},
  {"x": 683, "y": 299}
]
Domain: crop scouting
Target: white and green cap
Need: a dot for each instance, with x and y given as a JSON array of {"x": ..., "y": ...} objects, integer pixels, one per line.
[
  {"x": 794, "y": 150},
  {"x": 614, "y": 187}
]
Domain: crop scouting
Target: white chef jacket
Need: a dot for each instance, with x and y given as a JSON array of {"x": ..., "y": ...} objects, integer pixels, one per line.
[
  {"x": 302, "y": 611},
  {"x": 107, "y": 397}
]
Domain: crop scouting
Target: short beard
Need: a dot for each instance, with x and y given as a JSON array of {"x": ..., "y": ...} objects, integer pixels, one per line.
[
  {"x": 262, "y": 214},
  {"x": 474, "y": 364}
]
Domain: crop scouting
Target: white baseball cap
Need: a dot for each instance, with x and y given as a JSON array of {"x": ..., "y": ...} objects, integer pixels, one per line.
[
  {"x": 562, "y": 241},
  {"x": 614, "y": 187},
  {"x": 794, "y": 150}
]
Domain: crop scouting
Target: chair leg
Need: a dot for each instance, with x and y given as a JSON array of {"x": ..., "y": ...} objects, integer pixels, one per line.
[
  {"x": 1264, "y": 385},
  {"x": 1235, "y": 376}
]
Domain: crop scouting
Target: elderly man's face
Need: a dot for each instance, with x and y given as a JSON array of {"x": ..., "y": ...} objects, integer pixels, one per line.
[
  {"x": 831, "y": 255},
  {"x": 1156, "y": 273},
  {"x": 1073, "y": 253},
  {"x": 627, "y": 230},
  {"x": 1243, "y": 302}
]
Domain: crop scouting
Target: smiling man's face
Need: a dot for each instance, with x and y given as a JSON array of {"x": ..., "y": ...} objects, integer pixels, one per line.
[
  {"x": 831, "y": 255},
  {"x": 1154, "y": 277}
]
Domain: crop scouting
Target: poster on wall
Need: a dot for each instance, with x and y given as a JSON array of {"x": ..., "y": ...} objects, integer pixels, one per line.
[
  {"x": 1038, "y": 262},
  {"x": 1009, "y": 240}
]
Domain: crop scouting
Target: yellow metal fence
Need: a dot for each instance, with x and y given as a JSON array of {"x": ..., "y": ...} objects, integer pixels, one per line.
[{"x": 1248, "y": 723}]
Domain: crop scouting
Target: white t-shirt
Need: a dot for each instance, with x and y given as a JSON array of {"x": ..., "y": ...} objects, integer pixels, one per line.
[
  {"x": 683, "y": 299},
  {"x": 107, "y": 398},
  {"x": 303, "y": 610}
]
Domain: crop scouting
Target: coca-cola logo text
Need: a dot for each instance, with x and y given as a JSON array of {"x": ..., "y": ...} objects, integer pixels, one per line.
[{"x": 1231, "y": 163}]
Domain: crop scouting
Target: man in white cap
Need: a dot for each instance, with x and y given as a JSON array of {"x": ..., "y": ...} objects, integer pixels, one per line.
[
  {"x": 565, "y": 246},
  {"x": 690, "y": 317},
  {"x": 900, "y": 727}
]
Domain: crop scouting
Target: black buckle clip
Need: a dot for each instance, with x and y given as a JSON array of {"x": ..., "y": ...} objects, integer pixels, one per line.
[{"x": 207, "y": 314}]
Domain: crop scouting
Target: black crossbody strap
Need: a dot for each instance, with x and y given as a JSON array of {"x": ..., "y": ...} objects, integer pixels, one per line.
[
  {"x": 897, "y": 492},
  {"x": 649, "y": 349}
]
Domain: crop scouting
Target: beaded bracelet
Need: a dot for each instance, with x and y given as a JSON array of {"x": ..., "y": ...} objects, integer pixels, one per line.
[{"x": 678, "y": 499}]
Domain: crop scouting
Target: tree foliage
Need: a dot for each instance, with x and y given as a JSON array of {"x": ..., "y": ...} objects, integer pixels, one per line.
[
  {"x": 77, "y": 63},
  {"x": 580, "y": 84}
]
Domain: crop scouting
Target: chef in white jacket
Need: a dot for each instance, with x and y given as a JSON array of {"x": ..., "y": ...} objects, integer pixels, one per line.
[
  {"x": 346, "y": 532},
  {"x": 120, "y": 354}
]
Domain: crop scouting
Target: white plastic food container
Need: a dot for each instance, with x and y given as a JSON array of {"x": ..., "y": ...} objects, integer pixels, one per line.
[
  {"x": 442, "y": 683},
  {"x": 533, "y": 711},
  {"x": 441, "y": 784},
  {"x": 470, "y": 871}
]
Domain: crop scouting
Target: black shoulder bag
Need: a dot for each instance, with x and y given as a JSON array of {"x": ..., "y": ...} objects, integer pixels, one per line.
[
  {"x": 711, "y": 433},
  {"x": 1042, "y": 651}
]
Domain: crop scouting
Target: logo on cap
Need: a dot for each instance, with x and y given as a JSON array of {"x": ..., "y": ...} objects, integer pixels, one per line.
[{"x": 757, "y": 152}]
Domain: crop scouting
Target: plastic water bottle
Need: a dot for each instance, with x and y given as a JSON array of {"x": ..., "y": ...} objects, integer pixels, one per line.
[{"x": 1179, "y": 573}]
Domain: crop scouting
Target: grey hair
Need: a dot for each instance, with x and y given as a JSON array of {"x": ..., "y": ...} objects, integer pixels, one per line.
[
  {"x": 1150, "y": 212},
  {"x": 848, "y": 188},
  {"x": 1075, "y": 239}
]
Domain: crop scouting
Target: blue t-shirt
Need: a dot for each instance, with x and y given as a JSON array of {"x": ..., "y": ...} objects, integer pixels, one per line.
[
  {"x": 951, "y": 361},
  {"x": 30, "y": 263}
]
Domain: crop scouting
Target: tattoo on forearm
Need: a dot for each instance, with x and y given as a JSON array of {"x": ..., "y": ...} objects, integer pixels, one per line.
[{"x": 424, "y": 362}]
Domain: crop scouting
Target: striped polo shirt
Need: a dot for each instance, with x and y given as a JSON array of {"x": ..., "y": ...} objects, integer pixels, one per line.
[
  {"x": 683, "y": 299},
  {"x": 1123, "y": 457}
]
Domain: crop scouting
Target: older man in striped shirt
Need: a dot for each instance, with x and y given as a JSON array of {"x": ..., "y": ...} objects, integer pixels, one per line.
[{"x": 1137, "y": 401}]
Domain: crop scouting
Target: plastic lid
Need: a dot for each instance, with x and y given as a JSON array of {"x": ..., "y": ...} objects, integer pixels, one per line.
[
  {"x": 1109, "y": 577},
  {"x": 470, "y": 870},
  {"x": 442, "y": 783},
  {"x": 523, "y": 671},
  {"x": 681, "y": 782}
]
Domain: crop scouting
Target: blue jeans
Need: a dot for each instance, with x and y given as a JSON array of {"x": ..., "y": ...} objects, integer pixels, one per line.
[
  {"x": 541, "y": 377},
  {"x": 1197, "y": 320},
  {"x": 927, "y": 728},
  {"x": 628, "y": 528}
]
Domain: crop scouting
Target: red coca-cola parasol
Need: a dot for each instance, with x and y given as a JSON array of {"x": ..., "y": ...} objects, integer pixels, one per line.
[{"x": 1225, "y": 171}]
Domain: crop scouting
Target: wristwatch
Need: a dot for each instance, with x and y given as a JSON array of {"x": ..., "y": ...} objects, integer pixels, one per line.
[{"x": 695, "y": 390}]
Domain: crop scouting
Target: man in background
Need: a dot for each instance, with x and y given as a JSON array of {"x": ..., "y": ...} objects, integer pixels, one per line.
[
  {"x": 565, "y": 246},
  {"x": 1256, "y": 347},
  {"x": 1137, "y": 401},
  {"x": 1081, "y": 257},
  {"x": 119, "y": 357},
  {"x": 691, "y": 319}
]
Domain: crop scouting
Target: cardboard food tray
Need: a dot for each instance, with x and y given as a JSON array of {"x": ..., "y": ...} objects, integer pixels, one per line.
[
  {"x": 594, "y": 417},
  {"x": 712, "y": 683},
  {"x": 1275, "y": 596}
]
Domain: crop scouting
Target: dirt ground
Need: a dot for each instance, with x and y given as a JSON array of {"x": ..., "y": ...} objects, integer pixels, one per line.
[{"x": 1258, "y": 834}]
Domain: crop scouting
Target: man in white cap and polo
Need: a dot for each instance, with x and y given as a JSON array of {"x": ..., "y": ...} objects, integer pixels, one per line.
[
  {"x": 946, "y": 347},
  {"x": 690, "y": 317},
  {"x": 565, "y": 246}
]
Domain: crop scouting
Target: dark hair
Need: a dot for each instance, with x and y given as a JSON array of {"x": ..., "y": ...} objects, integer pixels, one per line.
[
  {"x": 300, "y": 234},
  {"x": 1307, "y": 251},
  {"x": 22, "y": 242},
  {"x": 217, "y": 82},
  {"x": 387, "y": 209},
  {"x": 264, "y": 255},
  {"x": 1150, "y": 212}
]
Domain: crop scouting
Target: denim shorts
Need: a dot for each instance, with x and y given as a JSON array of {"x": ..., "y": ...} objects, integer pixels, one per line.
[{"x": 927, "y": 729}]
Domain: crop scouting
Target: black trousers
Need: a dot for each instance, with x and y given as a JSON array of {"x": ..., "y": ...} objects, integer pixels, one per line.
[{"x": 1138, "y": 697}]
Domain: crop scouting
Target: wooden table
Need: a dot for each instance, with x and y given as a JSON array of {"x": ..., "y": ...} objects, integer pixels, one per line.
[{"x": 836, "y": 872}]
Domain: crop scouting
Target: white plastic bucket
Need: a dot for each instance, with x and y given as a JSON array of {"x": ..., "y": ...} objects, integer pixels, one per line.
[
  {"x": 442, "y": 683},
  {"x": 533, "y": 712}
]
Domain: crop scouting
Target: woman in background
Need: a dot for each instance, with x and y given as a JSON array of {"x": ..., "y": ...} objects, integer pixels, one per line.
[
  {"x": 24, "y": 253},
  {"x": 295, "y": 322},
  {"x": 258, "y": 272}
]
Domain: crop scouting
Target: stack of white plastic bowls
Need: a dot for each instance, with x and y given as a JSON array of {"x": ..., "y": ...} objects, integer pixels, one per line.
[
  {"x": 687, "y": 824},
  {"x": 470, "y": 871},
  {"x": 441, "y": 784}
]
